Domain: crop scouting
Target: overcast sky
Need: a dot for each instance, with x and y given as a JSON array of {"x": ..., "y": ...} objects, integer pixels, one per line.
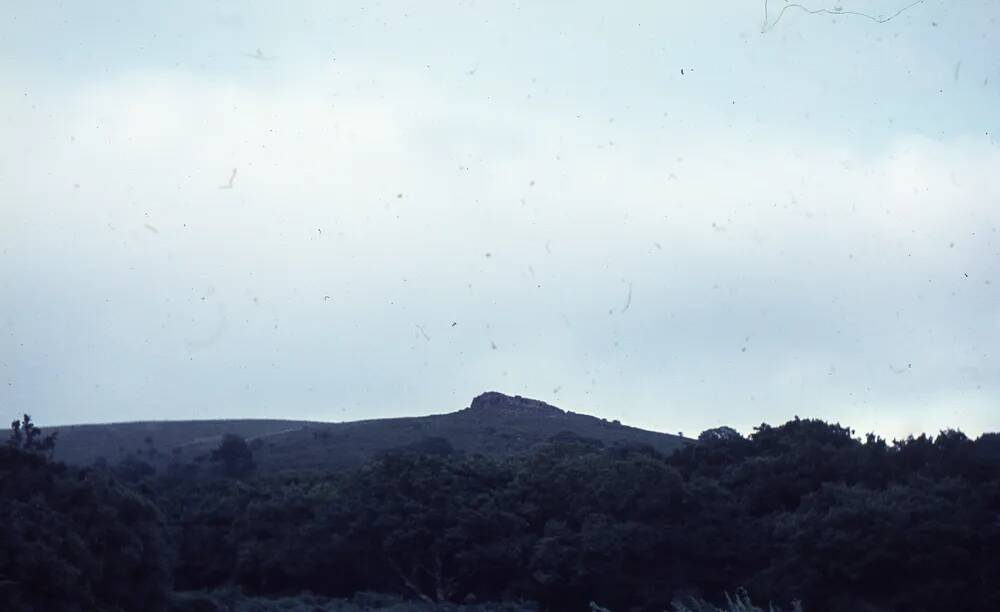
[{"x": 666, "y": 213}]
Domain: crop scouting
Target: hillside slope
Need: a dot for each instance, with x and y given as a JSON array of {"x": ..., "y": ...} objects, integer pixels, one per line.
[{"x": 494, "y": 424}]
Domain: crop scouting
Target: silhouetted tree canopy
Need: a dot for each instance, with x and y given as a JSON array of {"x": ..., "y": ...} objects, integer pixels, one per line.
[
  {"x": 75, "y": 539},
  {"x": 25, "y": 436},
  {"x": 801, "y": 511},
  {"x": 235, "y": 456}
]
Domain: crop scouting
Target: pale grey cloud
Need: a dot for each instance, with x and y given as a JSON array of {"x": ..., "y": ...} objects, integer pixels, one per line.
[{"x": 390, "y": 224}]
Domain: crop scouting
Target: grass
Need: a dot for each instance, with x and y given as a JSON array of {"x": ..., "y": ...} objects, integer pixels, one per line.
[
  {"x": 233, "y": 600},
  {"x": 740, "y": 602}
]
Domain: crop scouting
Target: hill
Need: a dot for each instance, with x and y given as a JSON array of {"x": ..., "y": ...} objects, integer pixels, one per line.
[{"x": 494, "y": 425}]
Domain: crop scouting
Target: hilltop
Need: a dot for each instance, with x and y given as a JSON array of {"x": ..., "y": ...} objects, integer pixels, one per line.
[{"x": 494, "y": 424}]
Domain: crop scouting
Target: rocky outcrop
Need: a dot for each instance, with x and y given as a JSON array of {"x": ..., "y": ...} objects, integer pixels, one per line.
[{"x": 497, "y": 403}]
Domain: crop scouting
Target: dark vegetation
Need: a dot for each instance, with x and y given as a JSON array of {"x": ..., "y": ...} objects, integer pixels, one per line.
[
  {"x": 803, "y": 511},
  {"x": 75, "y": 539}
]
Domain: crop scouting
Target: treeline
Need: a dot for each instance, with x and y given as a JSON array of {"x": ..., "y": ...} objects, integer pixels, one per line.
[
  {"x": 804, "y": 511},
  {"x": 75, "y": 539}
]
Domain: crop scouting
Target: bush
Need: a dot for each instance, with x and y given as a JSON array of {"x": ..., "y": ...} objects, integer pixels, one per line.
[
  {"x": 77, "y": 540},
  {"x": 235, "y": 456}
]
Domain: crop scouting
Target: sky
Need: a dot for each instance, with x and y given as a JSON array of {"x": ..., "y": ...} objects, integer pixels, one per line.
[{"x": 672, "y": 214}]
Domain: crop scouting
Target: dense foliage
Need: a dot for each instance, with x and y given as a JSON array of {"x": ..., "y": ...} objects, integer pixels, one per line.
[
  {"x": 803, "y": 511},
  {"x": 75, "y": 540}
]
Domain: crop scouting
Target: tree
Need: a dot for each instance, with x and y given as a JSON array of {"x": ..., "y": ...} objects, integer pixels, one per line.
[
  {"x": 75, "y": 539},
  {"x": 723, "y": 433},
  {"x": 235, "y": 455},
  {"x": 803, "y": 510},
  {"x": 26, "y": 437}
]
